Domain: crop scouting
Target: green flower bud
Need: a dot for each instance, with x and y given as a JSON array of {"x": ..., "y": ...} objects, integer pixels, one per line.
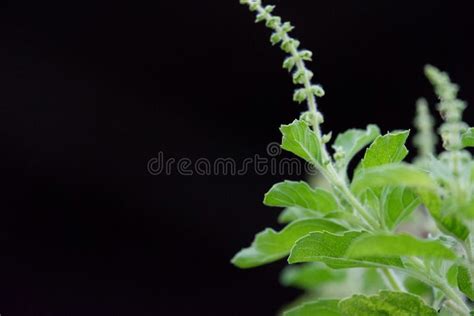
[
  {"x": 261, "y": 17},
  {"x": 275, "y": 38},
  {"x": 317, "y": 90},
  {"x": 287, "y": 27},
  {"x": 273, "y": 22},
  {"x": 300, "y": 95},
  {"x": 326, "y": 138},
  {"x": 305, "y": 55},
  {"x": 289, "y": 63},
  {"x": 319, "y": 118},
  {"x": 307, "y": 116},
  {"x": 301, "y": 75},
  {"x": 269, "y": 8},
  {"x": 254, "y": 6}
]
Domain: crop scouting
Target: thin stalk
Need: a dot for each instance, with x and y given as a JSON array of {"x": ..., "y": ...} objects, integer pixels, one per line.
[
  {"x": 392, "y": 280},
  {"x": 455, "y": 308},
  {"x": 350, "y": 198},
  {"x": 456, "y": 301}
]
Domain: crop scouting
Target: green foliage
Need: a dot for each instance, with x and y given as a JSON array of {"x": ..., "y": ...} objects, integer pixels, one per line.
[
  {"x": 298, "y": 139},
  {"x": 395, "y": 175},
  {"x": 468, "y": 138},
  {"x": 301, "y": 195},
  {"x": 320, "y": 307},
  {"x": 465, "y": 281},
  {"x": 349, "y": 143},
  {"x": 399, "y": 203},
  {"x": 386, "y": 149},
  {"x": 385, "y": 245},
  {"x": 310, "y": 276},
  {"x": 270, "y": 245},
  {"x": 385, "y": 303},
  {"x": 332, "y": 250},
  {"x": 359, "y": 235},
  {"x": 447, "y": 223}
]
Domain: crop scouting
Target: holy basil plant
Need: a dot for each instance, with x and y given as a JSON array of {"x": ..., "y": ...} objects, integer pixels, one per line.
[{"x": 391, "y": 238}]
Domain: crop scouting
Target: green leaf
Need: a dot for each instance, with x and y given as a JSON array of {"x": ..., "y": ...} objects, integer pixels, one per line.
[
  {"x": 386, "y": 149},
  {"x": 331, "y": 249},
  {"x": 299, "y": 139},
  {"x": 447, "y": 223},
  {"x": 353, "y": 140},
  {"x": 310, "y": 276},
  {"x": 270, "y": 245},
  {"x": 452, "y": 275},
  {"x": 385, "y": 245},
  {"x": 465, "y": 281},
  {"x": 394, "y": 175},
  {"x": 300, "y": 194},
  {"x": 398, "y": 204},
  {"x": 291, "y": 214},
  {"x": 320, "y": 308},
  {"x": 371, "y": 198},
  {"x": 386, "y": 303},
  {"x": 468, "y": 138},
  {"x": 419, "y": 288}
]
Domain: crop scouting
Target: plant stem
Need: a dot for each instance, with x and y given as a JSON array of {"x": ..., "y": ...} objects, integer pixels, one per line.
[
  {"x": 437, "y": 281},
  {"x": 455, "y": 302},
  {"x": 332, "y": 175},
  {"x": 392, "y": 280},
  {"x": 311, "y": 100},
  {"x": 455, "y": 308}
]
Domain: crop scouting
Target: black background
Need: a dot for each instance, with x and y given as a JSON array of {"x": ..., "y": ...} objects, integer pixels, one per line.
[{"x": 90, "y": 90}]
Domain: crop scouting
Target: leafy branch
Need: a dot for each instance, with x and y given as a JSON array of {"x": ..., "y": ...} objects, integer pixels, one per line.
[{"x": 355, "y": 225}]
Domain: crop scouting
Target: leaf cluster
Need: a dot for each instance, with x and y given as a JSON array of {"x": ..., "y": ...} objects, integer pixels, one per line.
[{"x": 407, "y": 228}]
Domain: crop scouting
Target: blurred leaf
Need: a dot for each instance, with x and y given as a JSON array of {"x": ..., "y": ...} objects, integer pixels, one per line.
[
  {"x": 466, "y": 281},
  {"x": 419, "y": 288},
  {"x": 398, "y": 204},
  {"x": 310, "y": 276},
  {"x": 452, "y": 275},
  {"x": 395, "y": 175},
  {"x": 448, "y": 223},
  {"x": 385, "y": 245},
  {"x": 468, "y": 138},
  {"x": 386, "y": 303},
  {"x": 372, "y": 282},
  {"x": 320, "y": 308},
  {"x": 291, "y": 214},
  {"x": 269, "y": 245}
]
